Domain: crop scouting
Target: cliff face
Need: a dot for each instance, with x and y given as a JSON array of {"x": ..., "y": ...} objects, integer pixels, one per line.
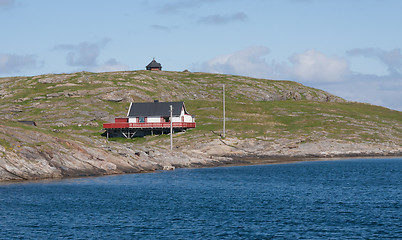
[
  {"x": 265, "y": 118},
  {"x": 35, "y": 155}
]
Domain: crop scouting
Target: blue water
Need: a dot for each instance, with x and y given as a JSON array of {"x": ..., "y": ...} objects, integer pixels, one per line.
[{"x": 348, "y": 199}]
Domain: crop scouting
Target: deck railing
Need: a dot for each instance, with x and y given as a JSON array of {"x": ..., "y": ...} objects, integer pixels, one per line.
[{"x": 148, "y": 125}]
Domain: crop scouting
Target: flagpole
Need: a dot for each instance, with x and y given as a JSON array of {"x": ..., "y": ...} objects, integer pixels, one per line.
[
  {"x": 171, "y": 127},
  {"x": 224, "y": 117}
]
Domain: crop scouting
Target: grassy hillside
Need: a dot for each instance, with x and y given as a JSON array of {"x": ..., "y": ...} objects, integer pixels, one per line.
[{"x": 74, "y": 106}]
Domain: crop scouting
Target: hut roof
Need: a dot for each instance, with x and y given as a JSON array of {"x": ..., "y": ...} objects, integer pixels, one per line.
[
  {"x": 154, "y": 64},
  {"x": 155, "y": 109}
]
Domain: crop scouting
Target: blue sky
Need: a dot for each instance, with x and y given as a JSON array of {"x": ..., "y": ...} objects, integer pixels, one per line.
[{"x": 351, "y": 48}]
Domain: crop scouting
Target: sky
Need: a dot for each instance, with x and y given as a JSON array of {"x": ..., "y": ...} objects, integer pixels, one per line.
[{"x": 350, "y": 48}]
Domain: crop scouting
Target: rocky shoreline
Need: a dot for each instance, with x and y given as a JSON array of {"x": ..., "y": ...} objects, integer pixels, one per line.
[
  {"x": 212, "y": 161},
  {"x": 258, "y": 160},
  {"x": 36, "y": 155}
]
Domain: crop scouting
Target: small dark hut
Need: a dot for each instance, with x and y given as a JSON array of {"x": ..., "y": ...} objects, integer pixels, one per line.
[{"x": 154, "y": 66}]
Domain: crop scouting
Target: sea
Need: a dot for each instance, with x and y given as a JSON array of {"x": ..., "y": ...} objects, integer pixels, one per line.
[{"x": 342, "y": 199}]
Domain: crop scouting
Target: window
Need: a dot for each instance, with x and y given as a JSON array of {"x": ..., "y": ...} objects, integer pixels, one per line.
[{"x": 141, "y": 119}]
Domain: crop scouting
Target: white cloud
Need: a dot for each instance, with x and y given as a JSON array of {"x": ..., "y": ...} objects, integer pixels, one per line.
[
  {"x": 84, "y": 54},
  {"x": 314, "y": 66},
  {"x": 315, "y": 69},
  {"x": 219, "y": 19},
  {"x": 378, "y": 90},
  {"x": 13, "y": 63},
  {"x": 248, "y": 62},
  {"x": 310, "y": 66},
  {"x": 392, "y": 59}
]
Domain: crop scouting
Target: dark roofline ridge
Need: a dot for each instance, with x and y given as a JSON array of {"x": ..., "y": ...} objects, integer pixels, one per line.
[
  {"x": 143, "y": 109},
  {"x": 154, "y": 64}
]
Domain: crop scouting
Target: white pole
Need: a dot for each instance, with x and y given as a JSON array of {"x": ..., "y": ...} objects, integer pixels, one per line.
[
  {"x": 171, "y": 127},
  {"x": 224, "y": 117}
]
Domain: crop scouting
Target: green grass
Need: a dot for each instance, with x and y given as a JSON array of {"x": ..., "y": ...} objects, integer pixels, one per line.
[
  {"x": 4, "y": 143},
  {"x": 202, "y": 94}
]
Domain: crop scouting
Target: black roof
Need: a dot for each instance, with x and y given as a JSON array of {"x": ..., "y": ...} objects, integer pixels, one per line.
[
  {"x": 155, "y": 109},
  {"x": 154, "y": 64}
]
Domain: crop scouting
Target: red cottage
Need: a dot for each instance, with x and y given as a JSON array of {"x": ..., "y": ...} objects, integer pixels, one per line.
[{"x": 151, "y": 118}]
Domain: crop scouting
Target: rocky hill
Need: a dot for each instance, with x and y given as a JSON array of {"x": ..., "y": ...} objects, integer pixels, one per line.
[{"x": 267, "y": 120}]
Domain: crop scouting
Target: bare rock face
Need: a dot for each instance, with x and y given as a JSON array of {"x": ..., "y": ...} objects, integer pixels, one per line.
[
  {"x": 296, "y": 148},
  {"x": 288, "y": 92},
  {"x": 293, "y": 95},
  {"x": 113, "y": 97},
  {"x": 53, "y": 79},
  {"x": 37, "y": 156},
  {"x": 33, "y": 155},
  {"x": 54, "y": 95}
]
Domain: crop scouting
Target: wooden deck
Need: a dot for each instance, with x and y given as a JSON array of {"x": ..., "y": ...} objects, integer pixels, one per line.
[{"x": 124, "y": 125}]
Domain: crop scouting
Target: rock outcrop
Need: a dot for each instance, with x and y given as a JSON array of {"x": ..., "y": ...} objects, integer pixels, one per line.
[{"x": 34, "y": 155}]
